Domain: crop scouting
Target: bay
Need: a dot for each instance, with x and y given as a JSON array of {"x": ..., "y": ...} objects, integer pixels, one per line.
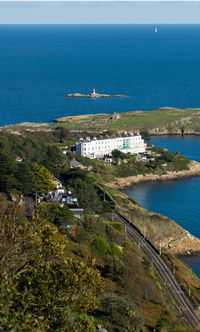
[{"x": 179, "y": 199}]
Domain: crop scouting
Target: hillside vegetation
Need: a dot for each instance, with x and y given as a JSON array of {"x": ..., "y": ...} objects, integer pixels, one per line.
[
  {"x": 51, "y": 280},
  {"x": 61, "y": 274}
]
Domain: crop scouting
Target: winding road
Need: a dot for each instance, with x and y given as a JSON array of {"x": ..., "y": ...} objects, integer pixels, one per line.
[{"x": 183, "y": 306}]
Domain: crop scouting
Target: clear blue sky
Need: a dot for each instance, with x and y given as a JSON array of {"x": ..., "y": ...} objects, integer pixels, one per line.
[{"x": 99, "y": 12}]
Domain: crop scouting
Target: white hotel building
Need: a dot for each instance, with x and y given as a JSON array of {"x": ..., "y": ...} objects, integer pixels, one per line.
[{"x": 99, "y": 147}]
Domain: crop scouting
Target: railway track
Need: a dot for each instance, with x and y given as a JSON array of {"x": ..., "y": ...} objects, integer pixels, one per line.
[{"x": 183, "y": 306}]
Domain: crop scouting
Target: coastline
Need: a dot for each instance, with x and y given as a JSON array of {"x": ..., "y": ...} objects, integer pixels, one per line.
[
  {"x": 124, "y": 183},
  {"x": 159, "y": 229}
]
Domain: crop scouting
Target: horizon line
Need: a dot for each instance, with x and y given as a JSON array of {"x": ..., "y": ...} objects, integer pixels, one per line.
[{"x": 156, "y": 23}]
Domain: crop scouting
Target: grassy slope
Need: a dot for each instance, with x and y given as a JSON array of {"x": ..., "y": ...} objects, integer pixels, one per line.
[{"x": 163, "y": 117}]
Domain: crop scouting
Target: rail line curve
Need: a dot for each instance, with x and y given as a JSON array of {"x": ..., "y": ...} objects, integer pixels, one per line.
[{"x": 183, "y": 306}]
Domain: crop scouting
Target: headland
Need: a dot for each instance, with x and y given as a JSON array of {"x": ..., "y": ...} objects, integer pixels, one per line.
[
  {"x": 126, "y": 182},
  {"x": 162, "y": 121}
]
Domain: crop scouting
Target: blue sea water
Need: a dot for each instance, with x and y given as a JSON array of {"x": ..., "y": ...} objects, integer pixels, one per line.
[
  {"x": 180, "y": 199},
  {"x": 39, "y": 64}
]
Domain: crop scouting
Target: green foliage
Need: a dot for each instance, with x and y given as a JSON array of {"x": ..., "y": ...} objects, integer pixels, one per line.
[
  {"x": 167, "y": 156},
  {"x": 85, "y": 190},
  {"x": 63, "y": 133},
  {"x": 115, "y": 251},
  {"x": 171, "y": 161},
  {"x": 124, "y": 170},
  {"x": 24, "y": 177},
  {"x": 165, "y": 324},
  {"x": 53, "y": 212},
  {"x": 119, "y": 312},
  {"x": 51, "y": 283},
  {"x": 8, "y": 168},
  {"x": 93, "y": 225},
  {"x": 42, "y": 179},
  {"x": 113, "y": 269},
  {"x": 117, "y": 225},
  {"x": 118, "y": 154},
  {"x": 41, "y": 287},
  {"x": 145, "y": 135},
  {"x": 15, "y": 176},
  {"x": 181, "y": 163},
  {"x": 101, "y": 245},
  {"x": 54, "y": 159}
]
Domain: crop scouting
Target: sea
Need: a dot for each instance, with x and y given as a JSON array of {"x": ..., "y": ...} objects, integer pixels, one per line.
[
  {"x": 40, "y": 64},
  {"x": 178, "y": 199}
]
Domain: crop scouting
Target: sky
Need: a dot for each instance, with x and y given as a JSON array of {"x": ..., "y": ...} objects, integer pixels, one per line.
[{"x": 99, "y": 12}]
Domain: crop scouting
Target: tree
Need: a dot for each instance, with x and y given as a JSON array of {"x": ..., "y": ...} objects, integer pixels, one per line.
[
  {"x": 55, "y": 213},
  {"x": 168, "y": 156},
  {"x": 42, "y": 179},
  {"x": 84, "y": 188},
  {"x": 118, "y": 154},
  {"x": 7, "y": 172},
  {"x": 53, "y": 159},
  {"x": 24, "y": 177},
  {"x": 145, "y": 135}
]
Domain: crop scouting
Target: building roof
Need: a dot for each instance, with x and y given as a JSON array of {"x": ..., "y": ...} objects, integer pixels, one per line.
[
  {"x": 124, "y": 135},
  {"x": 74, "y": 163},
  {"x": 19, "y": 159},
  {"x": 54, "y": 179}
]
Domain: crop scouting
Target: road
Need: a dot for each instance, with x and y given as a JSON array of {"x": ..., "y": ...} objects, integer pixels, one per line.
[{"x": 183, "y": 306}]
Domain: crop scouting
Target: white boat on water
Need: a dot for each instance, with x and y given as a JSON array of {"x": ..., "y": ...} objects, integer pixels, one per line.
[{"x": 156, "y": 30}]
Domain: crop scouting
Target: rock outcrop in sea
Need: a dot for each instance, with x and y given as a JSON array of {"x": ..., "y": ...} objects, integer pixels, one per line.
[{"x": 92, "y": 95}]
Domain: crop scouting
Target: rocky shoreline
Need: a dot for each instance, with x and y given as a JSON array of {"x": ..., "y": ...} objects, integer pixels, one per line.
[
  {"x": 186, "y": 245},
  {"x": 92, "y": 95},
  {"x": 124, "y": 183},
  {"x": 174, "y": 132}
]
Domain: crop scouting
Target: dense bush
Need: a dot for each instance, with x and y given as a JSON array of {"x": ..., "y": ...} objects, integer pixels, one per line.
[
  {"x": 119, "y": 312},
  {"x": 55, "y": 213},
  {"x": 101, "y": 245}
]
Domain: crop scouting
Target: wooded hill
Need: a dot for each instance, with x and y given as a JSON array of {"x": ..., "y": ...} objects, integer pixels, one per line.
[{"x": 60, "y": 274}]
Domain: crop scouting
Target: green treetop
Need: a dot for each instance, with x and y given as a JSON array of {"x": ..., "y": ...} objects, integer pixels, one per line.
[{"x": 42, "y": 179}]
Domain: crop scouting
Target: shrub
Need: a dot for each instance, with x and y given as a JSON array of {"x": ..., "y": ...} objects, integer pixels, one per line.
[
  {"x": 121, "y": 313},
  {"x": 101, "y": 245},
  {"x": 117, "y": 225},
  {"x": 114, "y": 269},
  {"x": 115, "y": 251}
]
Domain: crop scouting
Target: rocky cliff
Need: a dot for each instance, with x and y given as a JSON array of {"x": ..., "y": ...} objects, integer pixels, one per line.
[{"x": 187, "y": 244}]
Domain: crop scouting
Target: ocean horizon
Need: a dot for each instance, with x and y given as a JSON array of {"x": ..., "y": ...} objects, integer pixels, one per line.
[{"x": 40, "y": 64}]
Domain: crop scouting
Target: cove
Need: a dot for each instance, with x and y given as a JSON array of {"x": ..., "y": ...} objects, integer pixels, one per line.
[{"x": 178, "y": 200}]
